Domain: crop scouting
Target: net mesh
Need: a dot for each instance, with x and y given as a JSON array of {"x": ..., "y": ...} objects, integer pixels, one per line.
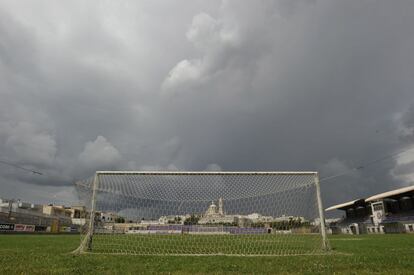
[{"x": 201, "y": 213}]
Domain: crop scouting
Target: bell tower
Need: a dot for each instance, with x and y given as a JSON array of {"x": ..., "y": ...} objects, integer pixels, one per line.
[{"x": 220, "y": 204}]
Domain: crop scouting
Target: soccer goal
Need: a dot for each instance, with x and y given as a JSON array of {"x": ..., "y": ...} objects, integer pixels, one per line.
[{"x": 203, "y": 213}]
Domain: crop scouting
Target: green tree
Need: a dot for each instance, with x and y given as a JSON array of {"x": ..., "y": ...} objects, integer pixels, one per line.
[
  {"x": 193, "y": 219},
  {"x": 120, "y": 220}
]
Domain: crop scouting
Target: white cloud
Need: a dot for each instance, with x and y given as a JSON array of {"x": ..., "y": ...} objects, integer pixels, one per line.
[
  {"x": 213, "y": 39},
  {"x": 186, "y": 71},
  {"x": 100, "y": 154},
  {"x": 210, "y": 35},
  {"x": 204, "y": 32}
]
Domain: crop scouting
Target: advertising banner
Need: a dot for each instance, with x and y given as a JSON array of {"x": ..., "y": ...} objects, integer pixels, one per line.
[
  {"x": 24, "y": 228},
  {"x": 6, "y": 227},
  {"x": 40, "y": 228}
]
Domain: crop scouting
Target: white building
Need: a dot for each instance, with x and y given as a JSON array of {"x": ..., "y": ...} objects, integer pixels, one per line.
[
  {"x": 285, "y": 218},
  {"x": 151, "y": 222},
  {"x": 173, "y": 219},
  {"x": 107, "y": 217},
  {"x": 256, "y": 217},
  {"x": 216, "y": 215}
]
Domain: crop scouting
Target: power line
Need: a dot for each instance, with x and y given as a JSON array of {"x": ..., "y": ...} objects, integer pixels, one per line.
[
  {"x": 21, "y": 167},
  {"x": 369, "y": 163}
]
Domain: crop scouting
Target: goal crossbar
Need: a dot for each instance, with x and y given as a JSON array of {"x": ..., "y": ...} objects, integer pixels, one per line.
[{"x": 205, "y": 173}]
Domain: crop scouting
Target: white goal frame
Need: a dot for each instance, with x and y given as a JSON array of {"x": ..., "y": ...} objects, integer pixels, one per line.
[{"x": 86, "y": 243}]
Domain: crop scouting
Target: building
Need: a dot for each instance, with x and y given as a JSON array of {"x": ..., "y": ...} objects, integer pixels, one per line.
[
  {"x": 216, "y": 215},
  {"x": 388, "y": 212},
  {"x": 285, "y": 218},
  {"x": 47, "y": 218},
  {"x": 107, "y": 217},
  {"x": 38, "y": 217},
  {"x": 57, "y": 211},
  {"x": 78, "y": 214},
  {"x": 150, "y": 222},
  {"x": 173, "y": 219},
  {"x": 256, "y": 218}
]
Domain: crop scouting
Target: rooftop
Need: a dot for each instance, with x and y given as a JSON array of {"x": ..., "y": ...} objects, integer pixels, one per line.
[
  {"x": 390, "y": 193},
  {"x": 379, "y": 196},
  {"x": 341, "y": 205}
]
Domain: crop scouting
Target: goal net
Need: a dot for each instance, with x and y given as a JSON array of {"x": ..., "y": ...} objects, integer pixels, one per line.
[{"x": 203, "y": 213}]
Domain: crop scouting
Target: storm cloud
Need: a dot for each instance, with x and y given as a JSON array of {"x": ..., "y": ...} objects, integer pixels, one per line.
[{"x": 201, "y": 85}]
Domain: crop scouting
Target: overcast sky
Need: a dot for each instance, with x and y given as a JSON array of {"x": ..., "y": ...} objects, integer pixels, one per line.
[{"x": 193, "y": 85}]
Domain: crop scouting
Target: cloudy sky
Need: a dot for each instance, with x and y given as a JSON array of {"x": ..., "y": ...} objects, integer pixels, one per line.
[{"x": 194, "y": 85}]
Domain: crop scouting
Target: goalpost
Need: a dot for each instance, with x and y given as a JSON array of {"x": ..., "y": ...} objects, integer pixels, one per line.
[{"x": 203, "y": 213}]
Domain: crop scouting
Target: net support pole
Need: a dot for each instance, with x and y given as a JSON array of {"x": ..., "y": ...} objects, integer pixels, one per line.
[
  {"x": 92, "y": 214},
  {"x": 325, "y": 245}
]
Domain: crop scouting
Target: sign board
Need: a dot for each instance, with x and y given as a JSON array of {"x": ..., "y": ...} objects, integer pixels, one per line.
[
  {"x": 378, "y": 212},
  {"x": 24, "y": 228},
  {"x": 40, "y": 228},
  {"x": 6, "y": 227}
]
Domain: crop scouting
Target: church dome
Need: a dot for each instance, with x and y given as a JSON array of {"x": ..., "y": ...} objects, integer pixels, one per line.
[{"x": 212, "y": 209}]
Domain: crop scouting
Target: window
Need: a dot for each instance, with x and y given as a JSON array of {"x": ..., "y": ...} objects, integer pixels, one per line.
[{"x": 410, "y": 228}]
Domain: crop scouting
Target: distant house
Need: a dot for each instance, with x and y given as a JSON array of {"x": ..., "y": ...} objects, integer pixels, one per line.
[{"x": 78, "y": 214}]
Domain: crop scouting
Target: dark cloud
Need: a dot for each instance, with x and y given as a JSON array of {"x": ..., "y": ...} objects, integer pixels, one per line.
[{"x": 266, "y": 85}]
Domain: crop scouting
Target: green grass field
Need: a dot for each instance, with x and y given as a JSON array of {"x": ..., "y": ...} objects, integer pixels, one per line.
[
  {"x": 50, "y": 254},
  {"x": 231, "y": 244}
]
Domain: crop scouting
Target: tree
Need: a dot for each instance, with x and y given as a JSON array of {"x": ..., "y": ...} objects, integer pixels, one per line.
[
  {"x": 120, "y": 220},
  {"x": 177, "y": 220},
  {"x": 193, "y": 219}
]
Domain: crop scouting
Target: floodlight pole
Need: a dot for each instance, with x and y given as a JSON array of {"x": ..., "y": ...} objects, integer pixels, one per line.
[
  {"x": 92, "y": 214},
  {"x": 325, "y": 245}
]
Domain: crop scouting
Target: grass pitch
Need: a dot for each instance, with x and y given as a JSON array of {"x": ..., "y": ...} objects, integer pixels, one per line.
[
  {"x": 49, "y": 254},
  {"x": 231, "y": 244}
]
